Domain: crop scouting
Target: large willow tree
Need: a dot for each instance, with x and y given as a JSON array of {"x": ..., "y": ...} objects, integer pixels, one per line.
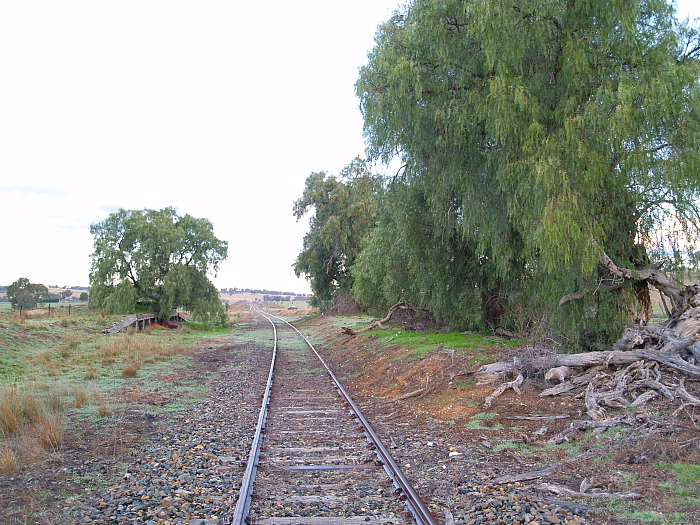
[
  {"x": 342, "y": 212},
  {"x": 559, "y": 139},
  {"x": 156, "y": 259}
]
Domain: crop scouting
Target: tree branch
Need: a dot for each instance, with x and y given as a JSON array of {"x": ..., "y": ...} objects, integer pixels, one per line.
[{"x": 401, "y": 305}]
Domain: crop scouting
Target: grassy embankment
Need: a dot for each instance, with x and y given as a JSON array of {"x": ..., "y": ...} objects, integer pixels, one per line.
[{"x": 60, "y": 372}]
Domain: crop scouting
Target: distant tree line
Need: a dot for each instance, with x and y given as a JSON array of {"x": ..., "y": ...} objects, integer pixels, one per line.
[
  {"x": 232, "y": 291},
  {"x": 284, "y": 298}
]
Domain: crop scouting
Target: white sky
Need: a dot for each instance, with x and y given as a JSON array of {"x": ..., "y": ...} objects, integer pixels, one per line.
[{"x": 218, "y": 108}]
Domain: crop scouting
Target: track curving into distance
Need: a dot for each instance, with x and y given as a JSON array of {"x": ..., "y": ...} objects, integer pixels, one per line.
[{"x": 314, "y": 458}]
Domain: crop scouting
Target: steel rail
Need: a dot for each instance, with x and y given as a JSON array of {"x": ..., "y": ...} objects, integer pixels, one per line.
[
  {"x": 246, "y": 490},
  {"x": 420, "y": 511}
]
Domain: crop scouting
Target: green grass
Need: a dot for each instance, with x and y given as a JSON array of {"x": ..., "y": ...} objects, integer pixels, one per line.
[
  {"x": 500, "y": 447},
  {"x": 686, "y": 485},
  {"x": 631, "y": 510},
  {"x": 56, "y": 308},
  {"x": 477, "y": 422},
  {"x": 298, "y": 304},
  {"x": 685, "y": 472},
  {"x": 423, "y": 343},
  {"x": 207, "y": 328},
  {"x": 484, "y": 416}
]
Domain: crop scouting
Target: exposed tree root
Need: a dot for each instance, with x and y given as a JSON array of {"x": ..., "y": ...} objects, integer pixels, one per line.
[{"x": 515, "y": 385}]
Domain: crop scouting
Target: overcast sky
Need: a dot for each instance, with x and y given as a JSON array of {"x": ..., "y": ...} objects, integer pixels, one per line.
[{"x": 218, "y": 108}]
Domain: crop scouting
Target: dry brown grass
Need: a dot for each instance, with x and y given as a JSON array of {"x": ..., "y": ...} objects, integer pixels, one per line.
[
  {"x": 50, "y": 432},
  {"x": 46, "y": 362},
  {"x": 18, "y": 318},
  {"x": 18, "y": 409},
  {"x": 42, "y": 358},
  {"x": 11, "y": 418},
  {"x": 28, "y": 425},
  {"x": 72, "y": 341},
  {"x": 80, "y": 397},
  {"x": 55, "y": 399},
  {"x": 31, "y": 408},
  {"x": 8, "y": 460},
  {"x": 137, "y": 348},
  {"x": 64, "y": 351},
  {"x": 28, "y": 448},
  {"x": 104, "y": 411},
  {"x": 129, "y": 371}
]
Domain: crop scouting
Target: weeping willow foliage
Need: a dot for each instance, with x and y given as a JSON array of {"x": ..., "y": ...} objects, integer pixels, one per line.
[
  {"x": 157, "y": 259},
  {"x": 536, "y": 134},
  {"x": 342, "y": 213}
]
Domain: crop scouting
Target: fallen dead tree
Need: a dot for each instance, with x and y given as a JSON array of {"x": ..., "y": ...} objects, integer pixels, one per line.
[
  {"x": 401, "y": 305},
  {"x": 560, "y": 490},
  {"x": 605, "y": 380},
  {"x": 648, "y": 363},
  {"x": 495, "y": 372},
  {"x": 658, "y": 363}
]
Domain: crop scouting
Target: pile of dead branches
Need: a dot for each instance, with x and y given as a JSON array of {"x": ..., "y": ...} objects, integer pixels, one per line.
[{"x": 647, "y": 363}]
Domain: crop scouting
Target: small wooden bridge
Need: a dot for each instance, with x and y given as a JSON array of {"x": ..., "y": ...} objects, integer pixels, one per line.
[{"x": 140, "y": 321}]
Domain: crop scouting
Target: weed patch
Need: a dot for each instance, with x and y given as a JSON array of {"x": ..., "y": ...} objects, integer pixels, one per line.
[{"x": 500, "y": 447}]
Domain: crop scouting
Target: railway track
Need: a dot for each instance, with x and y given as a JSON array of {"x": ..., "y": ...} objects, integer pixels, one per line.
[{"x": 314, "y": 458}]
